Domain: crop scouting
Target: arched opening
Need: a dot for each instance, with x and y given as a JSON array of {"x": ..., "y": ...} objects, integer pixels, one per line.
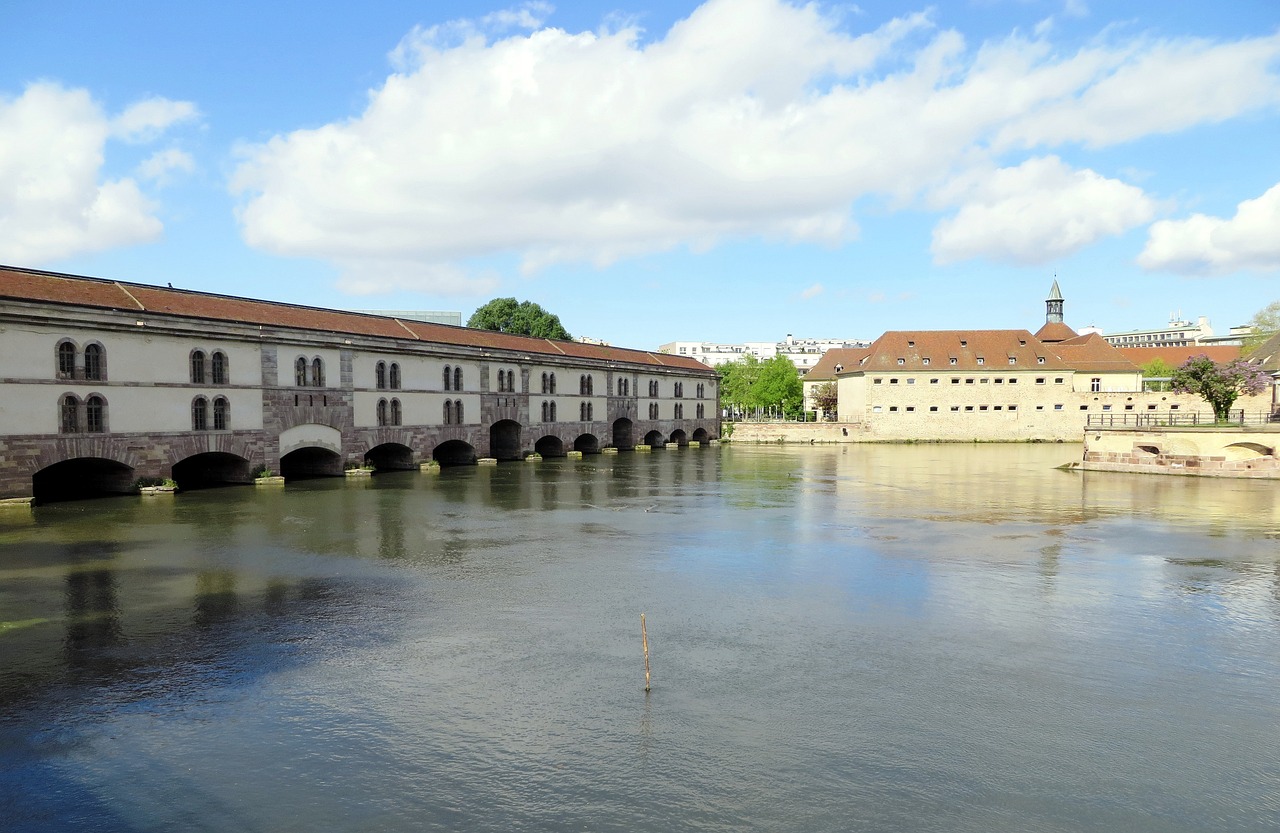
[
  {"x": 1147, "y": 449},
  {"x": 454, "y": 453},
  {"x": 504, "y": 440},
  {"x": 214, "y": 468},
  {"x": 1247, "y": 451},
  {"x": 81, "y": 478},
  {"x": 390, "y": 457},
  {"x": 310, "y": 461},
  {"x": 622, "y": 437},
  {"x": 654, "y": 439},
  {"x": 679, "y": 437},
  {"x": 701, "y": 435},
  {"x": 549, "y": 446},
  {"x": 587, "y": 444}
]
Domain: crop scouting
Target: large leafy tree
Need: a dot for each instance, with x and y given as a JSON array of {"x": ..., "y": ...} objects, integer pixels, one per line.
[
  {"x": 1265, "y": 323},
  {"x": 825, "y": 397},
  {"x": 1219, "y": 383},
  {"x": 1158, "y": 368},
  {"x": 749, "y": 383},
  {"x": 525, "y": 318}
]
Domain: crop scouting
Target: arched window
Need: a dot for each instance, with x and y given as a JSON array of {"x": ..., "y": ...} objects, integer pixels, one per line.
[
  {"x": 395, "y": 376},
  {"x": 66, "y": 360},
  {"x": 553, "y": 383},
  {"x": 382, "y": 412},
  {"x": 317, "y": 372},
  {"x": 582, "y": 410},
  {"x": 221, "y": 413},
  {"x": 511, "y": 381},
  {"x": 457, "y": 411},
  {"x": 95, "y": 414},
  {"x": 395, "y": 411},
  {"x": 69, "y": 415},
  {"x": 197, "y": 367},
  {"x": 219, "y": 368},
  {"x": 448, "y": 377},
  {"x": 552, "y": 412},
  {"x": 300, "y": 372},
  {"x": 380, "y": 375},
  {"x": 457, "y": 378},
  {"x": 582, "y": 385},
  {"x": 93, "y": 364},
  {"x": 448, "y": 412},
  {"x": 679, "y": 391},
  {"x": 591, "y": 386},
  {"x": 546, "y": 385},
  {"x": 200, "y": 414},
  {"x": 591, "y": 407},
  {"x": 544, "y": 411}
]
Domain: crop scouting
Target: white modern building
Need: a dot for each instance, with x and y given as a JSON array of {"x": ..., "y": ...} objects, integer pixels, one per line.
[
  {"x": 1179, "y": 333},
  {"x": 804, "y": 353}
]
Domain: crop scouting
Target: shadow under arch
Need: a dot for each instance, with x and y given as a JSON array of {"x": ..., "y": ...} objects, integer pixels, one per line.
[
  {"x": 654, "y": 439},
  {"x": 390, "y": 457},
  {"x": 310, "y": 462},
  {"x": 454, "y": 453},
  {"x": 623, "y": 439},
  {"x": 80, "y": 478},
  {"x": 210, "y": 469},
  {"x": 549, "y": 446},
  {"x": 679, "y": 437},
  {"x": 587, "y": 444},
  {"x": 701, "y": 435},
  {"x": 504, "y": 440}
]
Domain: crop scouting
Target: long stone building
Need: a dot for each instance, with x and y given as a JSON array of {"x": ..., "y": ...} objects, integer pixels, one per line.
[{"x": 104, "y": 382}]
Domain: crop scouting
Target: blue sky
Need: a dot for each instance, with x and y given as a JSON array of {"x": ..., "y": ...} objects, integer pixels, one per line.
[{"x": 731, "y": 171}]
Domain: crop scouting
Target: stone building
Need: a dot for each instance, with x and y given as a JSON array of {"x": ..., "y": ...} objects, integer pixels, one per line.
[
  {"x": 103, "y": 382},
  {"x": 994, "y": 384}
]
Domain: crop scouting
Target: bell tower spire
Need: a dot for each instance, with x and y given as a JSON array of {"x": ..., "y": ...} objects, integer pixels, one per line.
[{"x": 1053, "y": 305}]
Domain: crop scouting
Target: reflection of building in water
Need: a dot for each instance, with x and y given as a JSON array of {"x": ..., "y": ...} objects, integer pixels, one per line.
[{"x": 93, "y": 616}]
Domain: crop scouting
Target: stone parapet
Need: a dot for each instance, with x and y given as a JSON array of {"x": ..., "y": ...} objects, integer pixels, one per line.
[{"x": 1227, "y": 451}]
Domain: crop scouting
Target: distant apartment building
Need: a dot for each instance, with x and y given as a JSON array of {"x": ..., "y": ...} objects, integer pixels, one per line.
[
  {"x": 804, "y": 353},
  {"x": 1179, "y": 333}
]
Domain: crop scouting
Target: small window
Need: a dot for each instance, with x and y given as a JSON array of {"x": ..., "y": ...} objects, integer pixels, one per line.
[
  {"x": 220, "y": 369},
  {"x": 300, "y": 372},
  {"x": 901, "y": 362},
  {"x": 984, "y": 380},
  {"x": 1084, "y": 407},
  {"x": 893, "y": 408},
  {"x": 1013, "y": 408},
  {"x": 1022, "y": 342},
  {"x": 457, "y": 381},
  {"x": 1173, "y": 407},
  {"x": 968, "y": 407},
  {"x": 1057, "y": 407},
  {"x": 1057, "y": 380},
  {"x": 933, "y": 407},
  {"x": 1013, "y": 380},
  {"x": 200, "y": 414},
  {"x": 1106, "y": 407},
  {"x": 381, "y": 412},
  {"x": 955, "y": 407},
  {"x": 925, "y": 360},
  {"x": 1095, "y": 384},
  {"x": 982, "y": 407},
  {"x": 1151, "y": 407},
  {"x": 69, "y": 415},
  {"x": 909, "y": 344},
  {"x": 221, "y": 414},
  {"x": 448, "y": 377},
  {"x": 999, "y": 381},
  {"x": 1128, "y": 407},
  {"x": 964, "y": 343},
  {"x": 934, "y": 380},
  {"x": 66, "y": 360},
  {"x": 93, "y": 363},
  {"x": 879, "y": 381},
  {"x": 911, "y": 381},
  {"x": 910, "y": 408},
  {"x": 395, "y": 412},
  {"x": 968, "y": 381},
  {"x": 955, "y": 380},
  {"x": 448, "y": 412},
  {"x": 197, "y": 367},
  {"x": 981, "y": 360},
  {"x": 317, "y": 372},
  {"x": 893, "y": 381},
  {"x": 95, "y": 411},
  {"x": 1013, "y": 360},
  {"x": 951, "y": 360},
  {"x": 1039, "y": 359}
]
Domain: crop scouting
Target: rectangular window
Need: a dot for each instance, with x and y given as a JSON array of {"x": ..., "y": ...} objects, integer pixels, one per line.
[
  {"x": 911, "y": 381},
  {"x": 878, "y": 381},
  {"x": 1173, "y": 407},
  {"x": 1038, "y": 408},
  {"x": 933, "y": 407},
  {"x": 955, "y": 381},
  {"x": 1084, "y": 407},
  {"x": 1151, "y": 407},
  {"x": 1039, "y": 380},
  {"x": 933, "y": 381},
  {"x": 893, "y": 408},
  {"x": 984, "y": 380},
  {"x": 1012, "y": 408},
  {"x": 1128, "y": 407},
  {"x": 925, "y": 360},
  {"x": 910, "y": 408},
  {"x": 1057, "y": 407},
  {"x": 875, "y": 409},
  {"x": 1106, "y": 407},
  {"x": 968, "y": 407},
  {"x": 968, "y": 381},
  {"x": 1057, "y": 380},
  {"x": 981, "y": 360},
  {"x": 982, "y": 407},
  {"x": 995, "y": 407},
  {"x": 893, "y": 381},
  {"x": 999, "y": 381},
  {"x": 1013, "y": 381},
  {"x": 955, "y": 407}
]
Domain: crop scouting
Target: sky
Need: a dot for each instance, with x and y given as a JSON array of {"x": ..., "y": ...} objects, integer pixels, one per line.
[{"x": 737, "y": 170}]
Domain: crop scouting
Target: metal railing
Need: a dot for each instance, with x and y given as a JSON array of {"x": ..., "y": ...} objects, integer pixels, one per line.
[{"x": 1164, "y": 419}]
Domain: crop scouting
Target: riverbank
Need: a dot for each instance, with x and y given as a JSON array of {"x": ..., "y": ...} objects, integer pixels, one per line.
[
  {"x": 1219, "y": 451},
  {"x": 819, "y": 433}
]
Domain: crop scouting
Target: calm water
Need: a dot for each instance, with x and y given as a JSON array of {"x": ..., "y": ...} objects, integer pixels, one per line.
[{"x": 892, "y": 638}]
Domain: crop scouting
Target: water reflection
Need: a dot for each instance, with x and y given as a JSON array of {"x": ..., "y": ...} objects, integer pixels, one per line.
[{"x": 878, "y": 638}]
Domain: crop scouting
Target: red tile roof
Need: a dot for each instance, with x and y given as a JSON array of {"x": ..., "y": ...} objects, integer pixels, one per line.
[
  {"x": 1054, "y": 331},
  {"x": 53, "y": 288},
  {"x": 846, "y": 357},
  {"x": 907, "y": 350},
  {"x": 1176, "y": 356},
  {"x": 1090, "y": 353}
]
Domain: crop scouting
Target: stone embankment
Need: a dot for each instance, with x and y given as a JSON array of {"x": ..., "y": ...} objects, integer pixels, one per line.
[{"x": 1230, "y": 451}]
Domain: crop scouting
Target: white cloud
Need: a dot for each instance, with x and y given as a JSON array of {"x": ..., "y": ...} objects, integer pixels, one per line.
[
  {"x": 55, "y": 201},
  {"x": 1200, "y": 245},
  {"x": 812, "y": 291},
  {"x": 750, "y": 118},
  {"x": 158, "y": 166},
  {"x": 146, "y": 120},
  {"x": 1040, "y": 210}
]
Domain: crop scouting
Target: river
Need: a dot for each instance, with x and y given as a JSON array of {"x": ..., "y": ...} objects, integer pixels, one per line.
[{"x": 854, "y": 638}]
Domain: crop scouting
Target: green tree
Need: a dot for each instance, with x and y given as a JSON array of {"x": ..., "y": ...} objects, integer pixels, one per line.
[
  {"x": 737, "y": 379},
  {"x": 1158, "y": 368},
  {"x": 825, "y": 397},
  {"x": 779, "y": 384},
  {"x": 1219, "y": 384},
  {"x": 525, "y": 318},
  {"x": 1265, "y": 323}
]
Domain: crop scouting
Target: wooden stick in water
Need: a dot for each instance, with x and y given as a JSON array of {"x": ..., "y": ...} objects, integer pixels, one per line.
[{"x": 644, "y": 637}]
